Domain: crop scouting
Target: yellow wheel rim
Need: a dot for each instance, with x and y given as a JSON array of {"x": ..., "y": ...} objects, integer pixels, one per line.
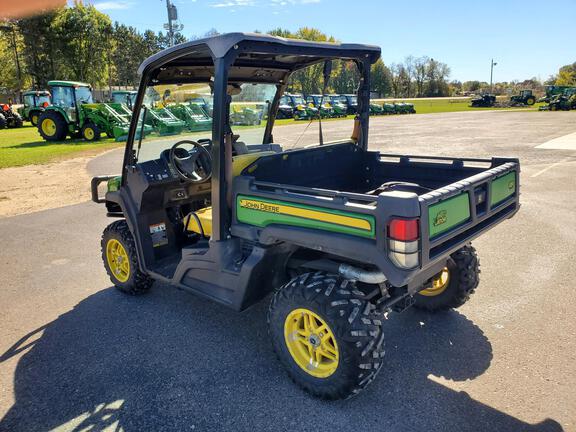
[
  {"x": 89, "y": 133},
  {"x": 49, "y": 127},
  {"x": 118, "y": 261},
  {"x": 311, "y": 343},
  {"x": 439, "y": 284},
  {"x": 35, "y": 119}
]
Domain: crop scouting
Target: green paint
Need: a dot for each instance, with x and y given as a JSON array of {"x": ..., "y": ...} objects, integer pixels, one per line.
[
  {"x": 502, "y": 188},
  {"x": 447, "y": 214},
  {"x": 263, "y": 218}
]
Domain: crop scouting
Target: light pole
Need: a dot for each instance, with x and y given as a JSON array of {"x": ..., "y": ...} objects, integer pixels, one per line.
[
  {"x": 492, "y": 64},
  {"x": 172, "y": 26}
]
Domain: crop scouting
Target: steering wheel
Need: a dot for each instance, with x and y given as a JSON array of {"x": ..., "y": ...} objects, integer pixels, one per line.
[{"x": 192, "y": 166}]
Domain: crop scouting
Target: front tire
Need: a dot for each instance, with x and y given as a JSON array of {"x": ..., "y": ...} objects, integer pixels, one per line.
[
  {"x": 2, "y": 121},
  {"x": 121, "y": 260},
  {"x": 326, "y": 333},
  {"x": 18, "y": 122},
  {"x": 454, "y": 285},
  {"x": 90, "y": 131}
]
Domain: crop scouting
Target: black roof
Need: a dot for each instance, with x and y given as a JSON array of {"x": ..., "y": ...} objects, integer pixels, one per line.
[{"x": 260, "y": 58}]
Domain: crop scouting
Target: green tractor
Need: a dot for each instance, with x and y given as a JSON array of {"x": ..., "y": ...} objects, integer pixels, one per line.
[
  {"x": 74, "y": 113},
  {"x": 525, "y": 97},
  {"x": 9, "y": 118},
  {"x": 126, "y": 97},
  {"x": 34, "y": 103}
]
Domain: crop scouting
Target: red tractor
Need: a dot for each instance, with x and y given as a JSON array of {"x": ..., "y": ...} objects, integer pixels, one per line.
[{"x": 9, "y": 118}]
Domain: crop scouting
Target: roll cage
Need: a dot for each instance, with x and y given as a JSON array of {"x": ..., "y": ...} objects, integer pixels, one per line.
[{"x": 244, "y": 58}]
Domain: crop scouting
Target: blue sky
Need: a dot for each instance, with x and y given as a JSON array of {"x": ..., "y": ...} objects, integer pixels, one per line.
[{"x": 464, "y": 34}]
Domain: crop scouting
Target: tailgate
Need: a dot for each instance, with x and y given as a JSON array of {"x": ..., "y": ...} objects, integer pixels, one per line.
[{"x": 455, "y": 214}]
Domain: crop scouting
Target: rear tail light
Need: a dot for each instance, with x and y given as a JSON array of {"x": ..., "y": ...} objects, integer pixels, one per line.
[{"x": 403, "y": 240}]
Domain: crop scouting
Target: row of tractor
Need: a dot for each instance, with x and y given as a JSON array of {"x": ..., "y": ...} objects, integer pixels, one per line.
[
  {"x": 313, "y": 106},
  {"x": 559, "y": 98}
]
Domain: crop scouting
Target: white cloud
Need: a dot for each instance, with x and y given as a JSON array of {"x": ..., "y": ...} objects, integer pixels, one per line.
[
  {"x": 233, "y": 3},
  {"x": 113, "y": 5}
]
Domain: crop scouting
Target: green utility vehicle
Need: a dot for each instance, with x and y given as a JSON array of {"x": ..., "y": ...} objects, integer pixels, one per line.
[
  {"x": 74, "y": 113},
  {"x": 9, "y": 118},
  {"x": 404, "y": 108},
  {"x": 376, "y": 109},
  {"x": 525, "y": 97},
  {"x": 322, "y": 104},
  {"x": 301, "y": 109},
  {"x": 125, "y": 97},
  {"x": 389, "y": 108},
  {"x": 339, "y": 107},
  {"x": 34, "y": 103},
  {"x": 338, "y": 235}
]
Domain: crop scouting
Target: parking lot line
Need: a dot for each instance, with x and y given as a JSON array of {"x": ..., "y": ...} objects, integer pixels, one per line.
[{"x": 542, "y": 171}]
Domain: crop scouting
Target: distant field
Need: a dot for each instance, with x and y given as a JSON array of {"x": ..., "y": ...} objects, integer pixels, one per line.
[{"x": 25, "y": 146}]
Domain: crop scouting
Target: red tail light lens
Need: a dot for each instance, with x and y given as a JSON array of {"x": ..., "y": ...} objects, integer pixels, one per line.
[{"x": 403, "y": 229}]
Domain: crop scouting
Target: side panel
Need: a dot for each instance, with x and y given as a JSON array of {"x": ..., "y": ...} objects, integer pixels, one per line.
[
  {"x": 448, "y": 214},
  {"x": 502, "y": 188},
  {"x": 263, "y": 212}
]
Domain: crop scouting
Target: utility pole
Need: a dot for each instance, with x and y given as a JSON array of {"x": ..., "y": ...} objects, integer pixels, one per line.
[
  {"x": 492, "y": 64},
  {"x": 172, "y": 26}
]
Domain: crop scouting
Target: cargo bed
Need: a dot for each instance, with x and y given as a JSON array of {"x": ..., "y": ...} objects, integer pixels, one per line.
[{"x": 454, "y": 199}]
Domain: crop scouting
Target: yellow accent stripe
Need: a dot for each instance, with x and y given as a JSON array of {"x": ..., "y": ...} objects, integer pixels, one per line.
[{"x": 307, "y": 214}]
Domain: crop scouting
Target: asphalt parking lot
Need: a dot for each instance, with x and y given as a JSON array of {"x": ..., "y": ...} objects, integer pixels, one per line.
[{"x": 76, "y": 354}]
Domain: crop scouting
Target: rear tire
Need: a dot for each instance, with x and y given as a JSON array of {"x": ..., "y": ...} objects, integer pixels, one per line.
[
  {"x": 52, "y": 126},
  {"x": 121, "y": 260},
  {"x": 346, "y": 328},
  {"x": 463, "y": 279},
  {"x": 34, "y": 117},
  {"x": 530, "y": 101}
]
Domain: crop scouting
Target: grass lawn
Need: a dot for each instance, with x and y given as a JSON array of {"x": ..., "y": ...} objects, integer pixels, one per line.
[{"x": 25, "y": 146}]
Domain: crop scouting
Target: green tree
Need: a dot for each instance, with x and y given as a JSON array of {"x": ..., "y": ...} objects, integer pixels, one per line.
[
  {"x": 380, "y": 78},
  {"x": 83, "y": 36},
  {"x": 127, "y": 54},
  {"x": 567, "y": 75}
]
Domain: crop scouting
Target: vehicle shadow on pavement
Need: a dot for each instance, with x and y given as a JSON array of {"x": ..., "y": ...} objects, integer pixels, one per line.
[{"x": 171, "y": 361}]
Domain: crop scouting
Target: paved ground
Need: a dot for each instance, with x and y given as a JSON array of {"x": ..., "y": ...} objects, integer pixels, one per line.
[{"x": 75, "y": 354}]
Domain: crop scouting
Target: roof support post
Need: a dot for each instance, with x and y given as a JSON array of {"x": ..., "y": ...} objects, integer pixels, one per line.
[{"x": 364, "y": 101}]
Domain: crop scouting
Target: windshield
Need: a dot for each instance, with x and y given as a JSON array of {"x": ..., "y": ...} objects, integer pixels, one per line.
[
  {"x": 41, "y": 100},
  {"x": 83, "y": 95},
  {"x": 353, "y": 100},
  {"x": 298, "y": 100},
  {"x": 178, "y": 112}
]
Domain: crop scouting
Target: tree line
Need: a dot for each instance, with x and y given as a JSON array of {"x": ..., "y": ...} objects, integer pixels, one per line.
[{"x": 81, "y": 43}]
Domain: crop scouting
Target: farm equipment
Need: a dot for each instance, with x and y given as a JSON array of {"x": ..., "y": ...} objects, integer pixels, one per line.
[
  {"x": 553, "y": 90},
  {"x": 338, "y": 235},
  {"x": 484, "y": 101},
  {"x": 285, "y": 109},
  {"x": 404, "y": 108},
  {"x": 389, "y": 108},
  {"x": 126, "y": 97},
  {"x": 322, "y": 104},
  {"x": 245, "y": 116},
  {"x": 351, "y": 102},
  {"x": 525, "y": 97},
  {"x": 339, "y": 107},
  {"x": 34, "y": 103},
  {"x": 9, "y": 118},
  {"x": 302, "y": 110},
  {"x": 193, "y": 114},
  {"x": 561, "y": 102},
  {"x": 376, "y": 109},
  {"x": 74, "y": 113},
  {"x": 164, "y": 122}
]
